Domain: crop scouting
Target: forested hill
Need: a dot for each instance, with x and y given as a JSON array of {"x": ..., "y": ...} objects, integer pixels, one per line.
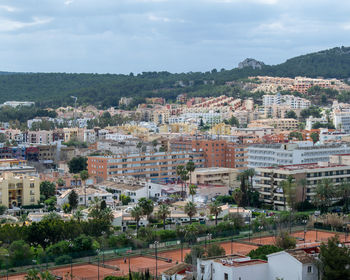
[{"x": 55, "y": 89}]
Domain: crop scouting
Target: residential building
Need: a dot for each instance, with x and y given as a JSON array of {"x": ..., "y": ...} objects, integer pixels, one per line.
[
  {"x": 214, "y": 176},
  {"x": 268, "y": 180},
  {"x": 15, "y": 104},
  {"x": 282, "y": 124},
  {"x": 341, "y": 121},
  {"x": 86, "y": 195},
  {"x": 288, "y": 265},
  {"x": 263, "y": 155},
  {"x": 310, "y": 121},
  {"x": 160, "y": 165},
  {"x": 19, "y": 190},
  {"x": 135, "y": 189},
  {"x": 217, "y": 152}
]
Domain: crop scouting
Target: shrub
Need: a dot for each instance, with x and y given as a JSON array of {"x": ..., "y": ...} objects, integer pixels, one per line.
[
  {"x": 262, "y": 252},
  {"x": 285, "y": 241},
  {"x": 64, "y": 259}
]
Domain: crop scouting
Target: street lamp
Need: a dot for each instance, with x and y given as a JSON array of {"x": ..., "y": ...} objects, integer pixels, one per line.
[
  {"x": 249, "y": 228},
  {"x": 232, "y": 224},
  {"x": 304, "y": 222},
  {"x": 182, "y": 246},
  {"x": 71, "y": 262},
  {"x": 98, "y": 264},
  {"x": 260, "y": 229},
  {"x": 155, "y": 249}
]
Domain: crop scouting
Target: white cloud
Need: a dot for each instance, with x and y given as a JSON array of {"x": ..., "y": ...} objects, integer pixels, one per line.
[
  {"x": 156, "y": 18},
  {"x": 7, "y": 8},
  {"x": 265, "y": 2},
  {"x": 68, "y": 2},
  {"x": 7, "y": 25}
]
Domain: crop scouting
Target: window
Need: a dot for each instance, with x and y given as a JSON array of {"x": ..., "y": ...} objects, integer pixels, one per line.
[
  {"x": 202, "y": 269},
  {"x": 309, "y": 269},
  {"x": 225, "y": 276}
]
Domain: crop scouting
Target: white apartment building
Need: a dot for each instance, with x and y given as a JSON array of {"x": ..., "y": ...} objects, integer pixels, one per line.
[
  {"x": 264, "y": 155},
  {"x": 208, "y": 118},
  {"x": 310, "y": 121},
  {"x": 341, "y": 121},
  {"x": 268, "y": 180},
  {"x": 85, "y": 196},
  {"x": 293, "y": 101},
  {"x": 118, "y": 137},
  {"x": 286, "y": 265}
]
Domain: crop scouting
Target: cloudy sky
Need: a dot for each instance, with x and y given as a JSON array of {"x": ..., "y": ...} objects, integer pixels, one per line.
[{"x": 122, "y": 36}]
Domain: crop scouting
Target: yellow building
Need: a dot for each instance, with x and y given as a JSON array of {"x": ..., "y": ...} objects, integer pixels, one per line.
[
  {"x": 221, "y": 129},
  {"x": 19, "y": 190}
]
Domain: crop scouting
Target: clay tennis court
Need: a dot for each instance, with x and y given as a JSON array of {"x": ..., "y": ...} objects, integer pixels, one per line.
[
  {"x": 310, "y": 237},
  {"x": 87, "y": 271},
  {"x": 140, "y": 264}
]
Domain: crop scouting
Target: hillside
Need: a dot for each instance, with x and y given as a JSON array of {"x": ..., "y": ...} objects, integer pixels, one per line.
[{"x": 55, "y": 89}]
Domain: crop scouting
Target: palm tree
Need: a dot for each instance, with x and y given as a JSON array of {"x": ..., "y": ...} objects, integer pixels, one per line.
[
  {"x": 190, "y": 167},
  {"x": 250, "y": 174},
  {"x": 163, "y": 212},
  {"x": 78, "y": 215},
  {"x": 76, "y": 177},
  {"x": 215, "y": 210},
  {"x": 237, "y": 196},
  {"x": 325, "y": 192},
  {"x": 302, "y": 182},
  {"x": 147, "y": 206},
  {"x": 192, "y": 191},
  {"x": 84, "y": 175},
  {"x": 344, "y": 193},
  {"x": 136, "y": 213},
  {"x": 182, "y": 172},
  {"x": 289, "y": 193},
  {"x": 190, "y": 210}
]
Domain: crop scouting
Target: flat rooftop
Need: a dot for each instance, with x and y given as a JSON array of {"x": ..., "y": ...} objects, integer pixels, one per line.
[{"x": 306, "y": 166}]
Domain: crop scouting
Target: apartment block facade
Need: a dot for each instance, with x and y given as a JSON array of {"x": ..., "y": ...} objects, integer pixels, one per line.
[
  {"x": 19, "y": 190},
  {"x": 161, "y": 165},
  {"x": 264, "y": 155},
  {"x": 268, "y": 180},
  {"x": 217, "y": 153}
]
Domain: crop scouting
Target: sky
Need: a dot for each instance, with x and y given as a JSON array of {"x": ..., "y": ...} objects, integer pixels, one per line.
[{"x": 123, "y": 36}]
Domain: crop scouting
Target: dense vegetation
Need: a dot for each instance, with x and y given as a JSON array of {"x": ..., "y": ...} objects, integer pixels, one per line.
[{"x": 55, "y": 89}]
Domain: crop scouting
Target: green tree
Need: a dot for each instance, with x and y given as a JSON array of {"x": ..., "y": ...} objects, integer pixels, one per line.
[
  {"x": 182, "y": 172},
  {"x": 215, "y": 209},
  {"x": 3, "y": 209},
  {"x": 163, "y": 212},
  {"x": 343, "y": 191},
  {"x": 334, "y": 260},
  {"x": 315, "y": 137},
  {"x": 147, "y": 206},
  {"x": 136, "y": 213},
  {"x": 190, "y": 167},
  {"x": 291, "y": 115},
  {"x": 192, "y": 191},
  {"x": 47, "y": 189},
  {"x": 237, "y": 196},
  {"x": 285, "y": 241},
  {"x": 262, "y": 252},
  {"x": 325, "y": 192},
  {"x": 20, "y": 253},
  {"x": 233, "y": 121},
  {"x": 84, "y": 175},
  {"x": 125, "y": 199},
  {"x": 215, "y": 250},
  {"x": 77, "y": 164},
  {"x": 60, "y": 182},
  {"x": 190, "y": 210},
  {"x": 196, "y": 252},
  {"x": 73, "y": 200}
]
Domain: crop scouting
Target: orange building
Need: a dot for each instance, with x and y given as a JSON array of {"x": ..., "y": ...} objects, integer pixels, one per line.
[{"x": 217, "y": 153}]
